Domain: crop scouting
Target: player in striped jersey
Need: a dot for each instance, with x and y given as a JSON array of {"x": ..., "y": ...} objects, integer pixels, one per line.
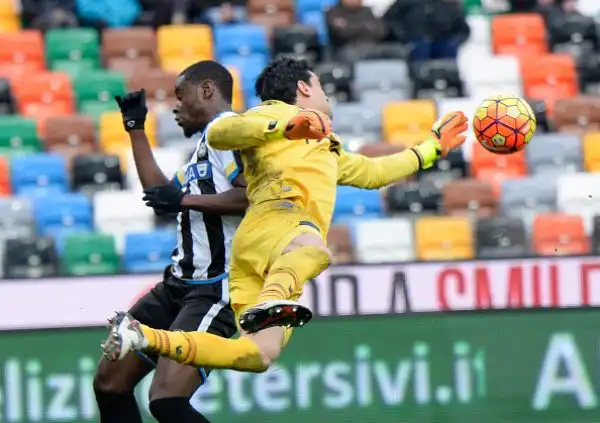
[{"x": 209, "y": 195}]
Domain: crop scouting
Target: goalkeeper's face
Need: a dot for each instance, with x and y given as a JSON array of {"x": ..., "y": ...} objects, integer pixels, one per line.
[{"x": 313, "y": 96}]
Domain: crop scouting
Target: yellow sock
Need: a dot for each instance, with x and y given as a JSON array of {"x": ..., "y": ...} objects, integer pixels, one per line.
[
  {"x": 290, "y": 271},
  {"x": 201, "y": 349}
]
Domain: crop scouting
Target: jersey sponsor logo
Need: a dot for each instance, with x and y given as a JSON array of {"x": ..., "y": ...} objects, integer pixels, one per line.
[{"x": 198, "y": 172}]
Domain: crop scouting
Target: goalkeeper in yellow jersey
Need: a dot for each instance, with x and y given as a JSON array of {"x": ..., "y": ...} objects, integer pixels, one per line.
[{"x": 292, "y": 165}]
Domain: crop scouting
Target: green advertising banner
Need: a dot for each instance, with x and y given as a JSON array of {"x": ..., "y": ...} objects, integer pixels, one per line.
[{"x": 488, "y": 367}]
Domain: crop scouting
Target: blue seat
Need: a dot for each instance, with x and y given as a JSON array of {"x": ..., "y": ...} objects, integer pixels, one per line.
[
  {"x": 305, "y": 6},
  {"x": 149, "y": 251},
  {"x": 249, "y": 68},
  {"x": 38, "y": 171},
  {"x": 242, "y": 39},
  {"x": 352, "y": 203},
  {"x": 63, "y": 213},
  {"x": 316, "y": 19}
]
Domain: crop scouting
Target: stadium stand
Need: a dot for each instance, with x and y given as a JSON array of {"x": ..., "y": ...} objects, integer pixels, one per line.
[{"x": 70, "y": 200}]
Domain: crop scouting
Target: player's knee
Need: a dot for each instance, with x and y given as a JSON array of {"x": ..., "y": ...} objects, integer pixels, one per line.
[{"x": 108, "y": 380}]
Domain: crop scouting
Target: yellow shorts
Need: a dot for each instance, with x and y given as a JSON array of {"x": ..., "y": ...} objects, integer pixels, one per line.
[{"x": 264, "y": 233}]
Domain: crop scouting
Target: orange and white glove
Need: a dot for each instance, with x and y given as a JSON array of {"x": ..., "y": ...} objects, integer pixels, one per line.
[
  {"x": 307, "y": 124},
  {"x": 448, "y": 134}
]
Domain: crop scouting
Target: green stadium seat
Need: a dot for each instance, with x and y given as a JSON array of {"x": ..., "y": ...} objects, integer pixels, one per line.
[
  {"x": 94, "y": 109},
  {"x": 73, "y": 44},
  {"x": 74, "y": 69},
  {"x": 473, "y": 7},
  {"x": 18, "y": 135},
  {"x": 90, "y": 254},
  {"x": 96, "y": 87}
]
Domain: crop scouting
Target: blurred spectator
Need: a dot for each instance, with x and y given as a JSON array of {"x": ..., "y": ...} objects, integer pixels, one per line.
[
  {"x": 47, "y": 14},
  {"x": 434, "y": 28},
  {"x": 227, "y": 12}
]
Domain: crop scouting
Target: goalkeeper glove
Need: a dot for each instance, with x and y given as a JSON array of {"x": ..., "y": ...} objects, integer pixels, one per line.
[
  {"x": 448, "y": 133},
  {"x": 307, "y": 124},
  {"x": 133, "y": 109},
  {"x": 166, "y": 198}
]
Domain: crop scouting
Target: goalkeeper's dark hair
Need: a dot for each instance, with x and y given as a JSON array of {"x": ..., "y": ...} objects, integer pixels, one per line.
[
  {"x": 211, "y": 70},
  {"x": 279, "y": 80}
]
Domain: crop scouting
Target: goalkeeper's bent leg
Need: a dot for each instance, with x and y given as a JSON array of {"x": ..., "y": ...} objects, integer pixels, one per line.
[{"x": 303, "y": 259}]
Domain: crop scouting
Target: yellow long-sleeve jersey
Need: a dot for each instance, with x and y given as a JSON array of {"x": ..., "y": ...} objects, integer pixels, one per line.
[{"x": 304, "y": 171}]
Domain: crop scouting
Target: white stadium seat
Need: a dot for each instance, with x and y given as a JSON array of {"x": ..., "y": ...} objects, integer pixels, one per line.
[
  {"x": 579, "y": 193},
  {"x": 500, "y": 75},
  {"x": 384, "y": 240},
  {"x": 169, "y": 159},
  {"x": 120, "y": 212}
]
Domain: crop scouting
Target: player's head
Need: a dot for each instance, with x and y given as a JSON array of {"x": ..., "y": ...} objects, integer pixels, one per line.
[
  {"x": 203, "y": 90},
  {"x": 292, "y": 81}
]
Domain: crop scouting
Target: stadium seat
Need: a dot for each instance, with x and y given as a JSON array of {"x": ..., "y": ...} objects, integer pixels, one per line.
[
  {"x": 541, "y": 115},
  {"x": 308, "y": 6},
  {"x": 169, "y": 160},
  {"x": 523, "y": 198},
  {"x": 167, "y": 130},
  {"x": 96, "y": 172},
  {"x": 238, "y": 103},
  {"x": 7, "y": 103},
  {"x": 273, "y": 20},
  {"x": 316, "y": 20},
  {"x": 148, "y": 251},
  {"x": 408, "y": 122},
  {"x": 63, "y": 213},
  {"x": 595, "y": 238},
  {"x": 298, "y": 40},
  {"x": 579, "y": 194},
  {"x": 559, "y": 235},
  {"x": 129, "y": 44},
  {"x": 90, "y": 254},
  {"x": 469, "y": 197},
  {"x": 30, "y": 258},
  {"x": 72, "y": 68},
  {"x": 25, "y": 49},
  {"x": 519, "y": 35},
  {"x": 385, "y": 76},
  {"x": 9, "y": 17},
  {"x": 414, "y": 197},
  {"x": 70, "y": 136},
  {"x": 551, "y": 77},
  {"x": 249, "y": 68},
  {"x": 502, "y": 75},
  {"x": 18, "y": 135},
  {"x": 352, "y": 203},
  {"x": 114, "y": 139},
  {"x": 241, "y": 39},
  {"x": 553, "y": 153},
  {"x": 446, "y": 169},
  {"x": 159, "y": 86},
  {"x": 588, "y": 70},
  {"x": 130, "y": 67},
  {"x": 495, "y": 168},
  {"x": 193, "y": 41},
  {"x": 384, "y": 240},
  {"x": 577, "y": 115},
  {"x": 437, "y": 78},
  {"x": 38, "y": 172},
  {"x": 571, "y": 30},
  {"x": 120, "y": 212},
  {"x": 336, "y": 79},
  {"x": 340, "y": 244},
  {"x": 443, "y": 238},
  {"x": 501, "y": 237},
  {"x": 356, "y": 118},
  {"x": 73, "y": 44},
  {"x": 480, "y": 26},
  {"x": 5, "y": 187},
  {"x": 591, "y": 151},
  {"x": 98, "y": 87},
  {"x": 16, "y": 218}
]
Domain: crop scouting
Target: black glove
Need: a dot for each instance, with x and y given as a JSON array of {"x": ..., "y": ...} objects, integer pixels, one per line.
[
  {"x": 166, "y": 198},
  {"x": 134, "y": 110}
]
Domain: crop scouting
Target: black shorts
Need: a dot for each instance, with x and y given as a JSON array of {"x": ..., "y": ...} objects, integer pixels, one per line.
[{"x": 175, "y": 305}]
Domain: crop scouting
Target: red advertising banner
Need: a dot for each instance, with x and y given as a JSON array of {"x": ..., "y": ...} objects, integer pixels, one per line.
[{"x": 342, "y": 290}]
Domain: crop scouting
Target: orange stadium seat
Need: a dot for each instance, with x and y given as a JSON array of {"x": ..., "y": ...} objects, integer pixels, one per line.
[
  {"x": 558, "y": 234},
  {"x": 519, "y": 34},
  {"x": 469, "y": 197},
  {"x": 591, "y": 151},
  {"x": 408, "y": 122},
  {"x": 550, "y": 78},
  {"x": 191, "y": 42},
  {"x": 135, "y": 44},
  {"x": 9, "y": 18},
  {"x": 577, "y": 115},
  {"x": 5, "y": 188},
  {"x": 23, "y": 48},
  {"x": 495, "y": 168},
  {"x": 444, "y": 238}
]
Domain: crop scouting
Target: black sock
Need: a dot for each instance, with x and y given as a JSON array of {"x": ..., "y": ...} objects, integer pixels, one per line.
[
  {"x": 178, "y": 409},
  {"x": 118, "y": 408}
]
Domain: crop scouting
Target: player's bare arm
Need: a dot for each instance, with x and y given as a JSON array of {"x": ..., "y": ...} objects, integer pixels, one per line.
[
  {"x": 134, "y": 110},
  {"x": 357, "y": 170}
]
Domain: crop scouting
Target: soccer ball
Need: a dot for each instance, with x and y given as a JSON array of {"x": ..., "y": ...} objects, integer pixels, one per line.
[{"x": 504, "y": 124}]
